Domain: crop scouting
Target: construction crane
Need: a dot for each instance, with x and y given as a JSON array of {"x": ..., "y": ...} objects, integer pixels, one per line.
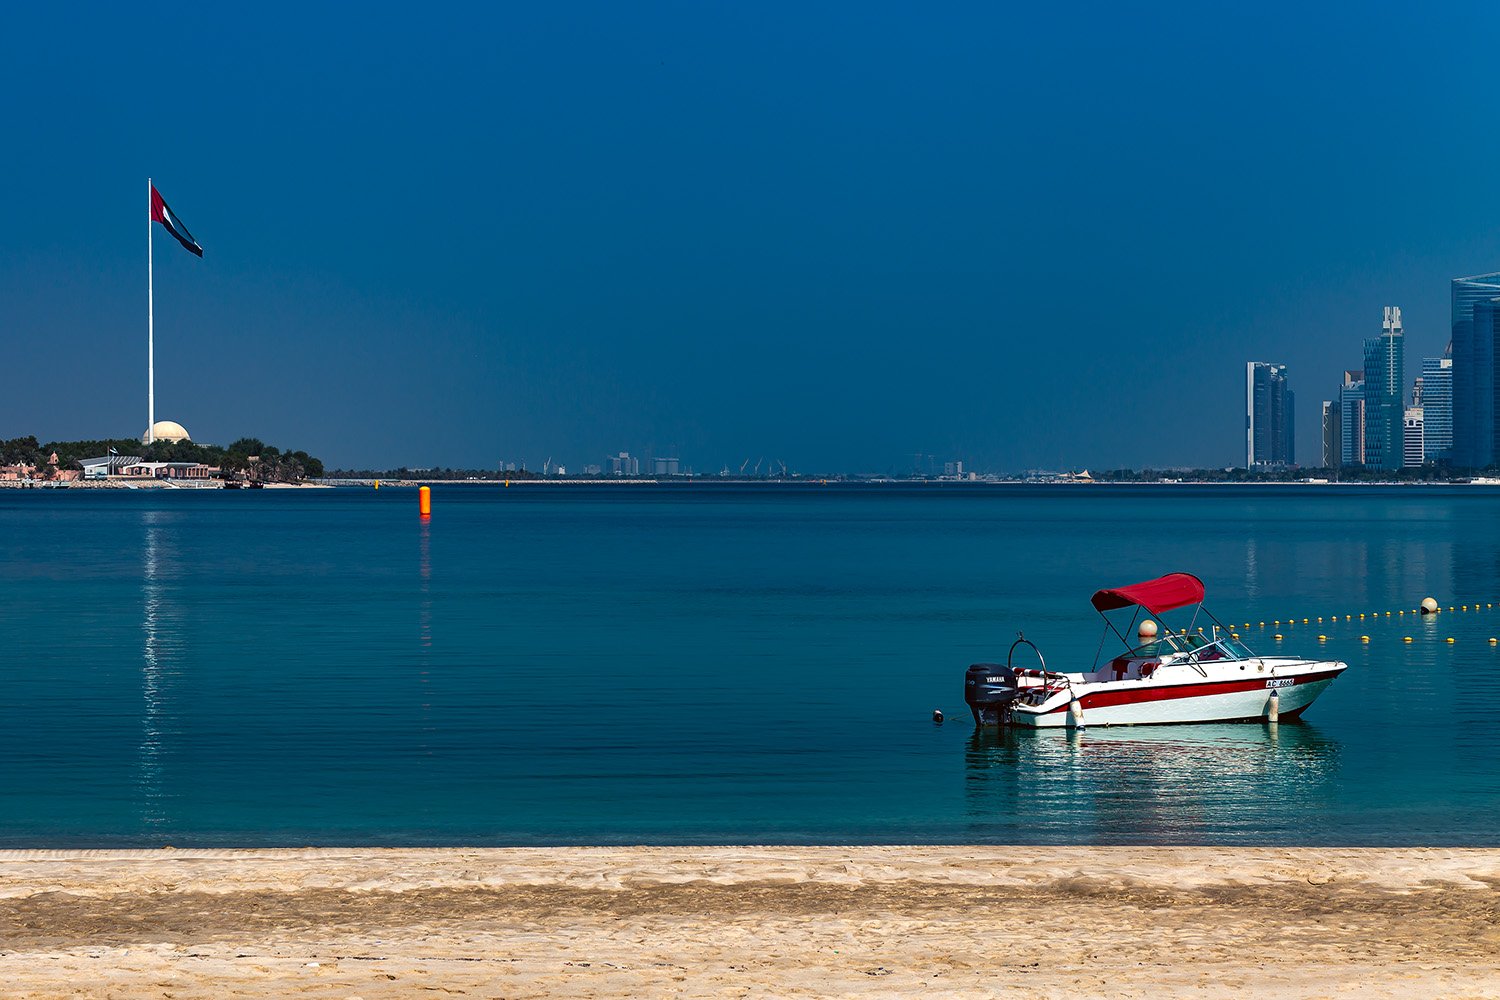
[
  {"x": 758, "y": 464},
  {"x": 547, "y": 466},
  {"x": 742, "y": 466}
]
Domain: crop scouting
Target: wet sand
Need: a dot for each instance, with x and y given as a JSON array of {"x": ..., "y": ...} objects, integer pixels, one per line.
[{"x": 751, "y": 922}]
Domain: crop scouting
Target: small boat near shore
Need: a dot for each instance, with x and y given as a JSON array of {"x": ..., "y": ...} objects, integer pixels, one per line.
[{"x": 1200, "y": 673}]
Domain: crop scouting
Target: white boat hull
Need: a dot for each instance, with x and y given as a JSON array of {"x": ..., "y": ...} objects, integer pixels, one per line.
[{"x": 1170, "y": 700}]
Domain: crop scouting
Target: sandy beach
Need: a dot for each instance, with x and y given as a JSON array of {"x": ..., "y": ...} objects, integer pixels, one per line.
[{"x": 751, "y": 922}]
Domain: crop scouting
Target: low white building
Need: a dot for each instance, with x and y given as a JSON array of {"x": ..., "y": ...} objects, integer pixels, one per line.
[{"x": 108, "y": 465}]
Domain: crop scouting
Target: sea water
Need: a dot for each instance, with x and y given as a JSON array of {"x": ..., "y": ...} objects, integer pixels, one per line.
[{"x": 720, "y": 664}]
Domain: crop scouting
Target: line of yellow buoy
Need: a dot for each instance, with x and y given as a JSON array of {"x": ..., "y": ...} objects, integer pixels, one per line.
[
  {"x": 1434, "y": 608},
  {"x": 1402, "y": 613}
]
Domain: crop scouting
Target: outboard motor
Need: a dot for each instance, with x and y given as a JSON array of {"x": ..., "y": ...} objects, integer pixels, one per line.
[{"x": 989, "y": 689}]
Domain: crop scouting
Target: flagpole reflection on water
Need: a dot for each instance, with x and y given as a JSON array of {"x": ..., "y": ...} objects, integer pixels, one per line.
[{"x": 153, "y": 813}]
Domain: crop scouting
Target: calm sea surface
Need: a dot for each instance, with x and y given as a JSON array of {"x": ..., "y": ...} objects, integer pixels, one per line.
[{"x": 718, "y": 664}]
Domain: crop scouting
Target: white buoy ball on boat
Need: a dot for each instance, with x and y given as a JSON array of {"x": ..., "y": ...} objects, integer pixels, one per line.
[
  {"x": 1147, "y": 631},
  {"x": 1429, "y": 606}
]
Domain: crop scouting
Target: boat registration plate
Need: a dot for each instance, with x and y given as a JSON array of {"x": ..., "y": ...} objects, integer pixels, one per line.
[{"x": 1280, "y": 682}]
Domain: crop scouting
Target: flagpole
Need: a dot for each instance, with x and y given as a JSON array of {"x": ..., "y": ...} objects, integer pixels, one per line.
[{"x": 150, "y": 328}]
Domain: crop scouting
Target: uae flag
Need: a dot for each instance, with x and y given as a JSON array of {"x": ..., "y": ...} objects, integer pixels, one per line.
[{"x": 168, "y": 218}]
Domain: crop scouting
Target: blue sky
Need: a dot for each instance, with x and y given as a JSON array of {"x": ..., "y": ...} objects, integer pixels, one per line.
[{"x": 836, "y": 235}]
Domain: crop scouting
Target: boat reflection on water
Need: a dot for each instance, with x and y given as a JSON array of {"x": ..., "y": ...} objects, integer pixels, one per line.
[{"x": 1163, "y": 784}]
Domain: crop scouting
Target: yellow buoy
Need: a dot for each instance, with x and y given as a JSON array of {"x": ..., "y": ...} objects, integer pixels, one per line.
[
  {"x": 1364, "y": 638},
  {"x": 1277, "y": 637},
  {"x": 1492, "y": 640},
  {"x": 1406, "y": 638},
  {"x": 1304, "y": 621},
  {"x": 1361, "y": 614},
  {"x": 1387, "y": 614},
  {"x": 1463, "y": 607},
  {"x": 1449, "y": 639},
  {"x": 1322, "y": 638},
  {"x": 424, "y": 501}
]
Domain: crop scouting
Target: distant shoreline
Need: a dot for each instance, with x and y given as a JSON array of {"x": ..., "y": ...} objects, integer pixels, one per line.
[
  {"x": 148, "y": 483},
  {"x": 816, "y": 481},
  {"x": 143, "y": 483}
]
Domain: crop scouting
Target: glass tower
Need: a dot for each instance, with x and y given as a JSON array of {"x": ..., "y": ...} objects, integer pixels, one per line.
[
  {"x": 1385, "y": 389},
  {"x": 1474, "y": 357},
  {"x": 1437, "y": 408},
  {"x": 1352, "y": 417},
  {"x": 1333, "y": 434},
  {"x": 1270, "y": 411}
]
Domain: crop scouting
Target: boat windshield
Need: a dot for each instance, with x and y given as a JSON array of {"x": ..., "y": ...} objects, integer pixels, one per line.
[
  {"x": 1237, "y": 650},
  {"x": 1190, "y": 643},
  {"x": 1164, "y": 645}
]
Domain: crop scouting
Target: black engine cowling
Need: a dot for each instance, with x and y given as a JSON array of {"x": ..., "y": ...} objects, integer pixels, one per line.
[{"x": 989, "y": 690}]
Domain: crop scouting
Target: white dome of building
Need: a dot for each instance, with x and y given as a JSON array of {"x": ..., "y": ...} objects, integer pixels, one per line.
[{"x": 166, "y": 430}]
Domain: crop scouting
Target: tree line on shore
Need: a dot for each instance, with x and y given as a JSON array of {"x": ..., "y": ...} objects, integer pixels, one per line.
[{"x": 247, "y": 458}]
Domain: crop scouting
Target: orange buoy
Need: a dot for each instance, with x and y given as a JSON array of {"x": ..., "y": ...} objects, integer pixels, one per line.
[{"x": 424, "y": 501}]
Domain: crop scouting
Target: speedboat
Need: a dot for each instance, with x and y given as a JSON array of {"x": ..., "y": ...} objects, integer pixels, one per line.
[{"x": 1200, "y": 673}]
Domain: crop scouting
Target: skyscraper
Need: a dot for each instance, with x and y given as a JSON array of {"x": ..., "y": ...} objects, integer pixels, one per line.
[
  {"x": 1352, "y": 417},
  {"x": 1412, "y": 456},
  {"x": 1474, "y": 357},
  {"x": 1270, "y": 412},
  {"x": 1385, "y": 389},
  {"x": 1333, "y": 434},
  {"x": 1437, "y": 408}
]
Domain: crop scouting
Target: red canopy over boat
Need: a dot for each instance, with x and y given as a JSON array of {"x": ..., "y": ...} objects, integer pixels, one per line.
[{"x": 1175, "y": 590}]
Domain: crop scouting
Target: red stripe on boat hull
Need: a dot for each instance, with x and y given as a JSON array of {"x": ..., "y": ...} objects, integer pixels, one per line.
[{"x": 1168, "y": 692}]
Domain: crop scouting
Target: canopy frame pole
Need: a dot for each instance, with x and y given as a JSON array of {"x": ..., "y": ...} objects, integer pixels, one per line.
[{"x": 1115, "y": 630}]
